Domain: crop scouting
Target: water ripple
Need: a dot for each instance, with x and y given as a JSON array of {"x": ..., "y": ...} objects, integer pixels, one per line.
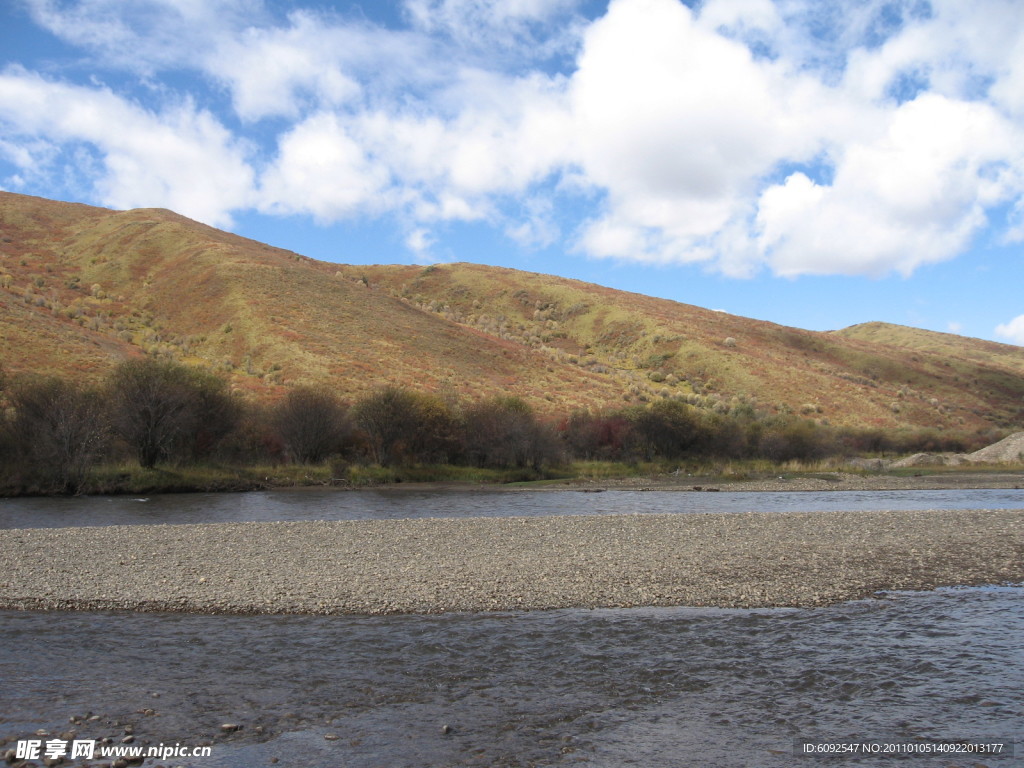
[{"x": 666, "y": 686}]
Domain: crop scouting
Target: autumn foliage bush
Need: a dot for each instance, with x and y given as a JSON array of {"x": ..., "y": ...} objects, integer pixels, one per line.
[{"x": 163, "y": 413}]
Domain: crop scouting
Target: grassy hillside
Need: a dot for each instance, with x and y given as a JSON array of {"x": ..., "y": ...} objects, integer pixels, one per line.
[
  {"x": 108, "y": 285},
  {"x": 656, "y": 348},
  {"x": 958, "y": 350},
  {"x": 83, "y": 287}
]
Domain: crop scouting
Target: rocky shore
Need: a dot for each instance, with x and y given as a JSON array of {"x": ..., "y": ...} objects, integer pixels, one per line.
[
  {"x": 481, "y": 564},
  {"x": 926, "y": 480}
]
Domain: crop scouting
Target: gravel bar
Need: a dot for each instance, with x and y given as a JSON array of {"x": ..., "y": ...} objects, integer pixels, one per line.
[{"x": 486, "y": 564}]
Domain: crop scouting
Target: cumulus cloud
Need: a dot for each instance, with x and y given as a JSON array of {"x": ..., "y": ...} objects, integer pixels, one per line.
[
  {"x": 181, "y": 158},
  {"x": 502, "y": 137},
  {"x": 321, "y": 170},
  {"x": 683, "y": 126},
  {"x": 1012, "y": 331},
  {"x": 316, "y": 61},
  {"x": 419, "y": 242},
  {"x": 676, "y": 123},
  {"x": 274, "y": 72},
  {"x": 503, "y": 134},
  {"x": 913, "y": 195},
  {"x": 862, "y": 137}
]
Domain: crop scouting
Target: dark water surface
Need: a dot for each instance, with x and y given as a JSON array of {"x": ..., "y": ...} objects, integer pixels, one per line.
[
  {"x": 624, "y": 687},
  {"x": 330, "y": 504},
  {"x": 605, "y": 688}
]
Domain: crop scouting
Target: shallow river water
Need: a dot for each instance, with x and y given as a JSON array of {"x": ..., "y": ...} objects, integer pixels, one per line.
[
  {"x": 636, "y": 687},
  {"x": 625, "y": 687},
  {"x": 332, "y": 504}
]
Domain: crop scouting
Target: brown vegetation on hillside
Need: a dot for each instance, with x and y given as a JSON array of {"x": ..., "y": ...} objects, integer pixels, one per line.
[
  {"x": 84, "y": 288},
  {"x": 658, "y": 349}
]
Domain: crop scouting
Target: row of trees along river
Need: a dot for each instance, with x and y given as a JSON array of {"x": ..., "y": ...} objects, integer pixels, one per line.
[{"x": 54, "y": 432}]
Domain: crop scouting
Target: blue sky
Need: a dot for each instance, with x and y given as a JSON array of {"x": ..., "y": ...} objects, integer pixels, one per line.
[{"x": 816, "y": 164}]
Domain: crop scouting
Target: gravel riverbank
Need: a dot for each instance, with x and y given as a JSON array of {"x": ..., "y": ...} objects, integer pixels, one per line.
[
  {"x": 822, "y": 481},
  {"x": 479, "y": 564}
]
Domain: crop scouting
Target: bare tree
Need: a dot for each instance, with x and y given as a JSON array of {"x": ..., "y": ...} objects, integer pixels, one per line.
[
  {"x": 503, "y": 432},
  {"x": 60, "y": 431},
  {"x": 312, "y": 423},
  {"x": 164, "y": 410},
  {"x": 598, "y": 436},
  {"x": 667, "y": 429},
  {"x": 403, "y": 425}
]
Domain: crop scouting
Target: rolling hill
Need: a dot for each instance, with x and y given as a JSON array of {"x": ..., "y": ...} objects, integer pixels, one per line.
[{"x": 83, "y": 287}]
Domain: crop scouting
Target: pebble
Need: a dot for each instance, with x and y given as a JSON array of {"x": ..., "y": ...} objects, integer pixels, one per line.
[{"x": 481, "y": 564}]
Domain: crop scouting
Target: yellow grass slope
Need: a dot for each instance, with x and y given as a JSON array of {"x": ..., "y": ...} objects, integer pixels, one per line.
[
  {"x": 656, "y": 348},
  {"x": 83, "y": 287},
  {"x": 111, "y": 285},
  {"x": 957, "y": 350}
]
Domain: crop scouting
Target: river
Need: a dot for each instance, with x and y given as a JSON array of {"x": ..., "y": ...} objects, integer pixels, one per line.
[
  {"x": 395, "y": 503},
  {"x": 608, "y": 688}
]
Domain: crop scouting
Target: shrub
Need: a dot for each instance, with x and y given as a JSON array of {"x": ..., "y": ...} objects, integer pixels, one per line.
[
  {"x": 59, "y": 432},
  {"x": 312, "y": 424},
  {"x": 503, "y": 432},
  {"x": 252, "y": 440},
  {"x": 667, "y": 429},
  {"x": 791, "y": 439},
  {"x": 605, "y": 437},
  {"x": 167, "y": 411},
  {"x": 402, "y": 426}
]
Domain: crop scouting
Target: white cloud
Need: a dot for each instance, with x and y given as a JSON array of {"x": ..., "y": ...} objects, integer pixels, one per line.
[
  {"x": 146, "y": 35},
  {"x": 390, "y": 120},
  {"x": 30, "y": 156},
  {"x": 729, "y": 135},
  {"x": 454, "y": 14},
  {"x": 742, "y": 16},
  {"x": 322, "y": 171},
  {"x": 503, "y": 136},
  {"x": 318, "y": 62},
  {"x": 682, "y": 127},
  {"x": 497, "y": 141},
  {"x": 914, "y": 195},
  {"x": 1012, "y": 331},
  {"x": 677, "y": 123},
  {"x": 536, "y": 226},
  {"x": 181, "y": 158},
  {"x": 509, "y": 28},
  {"x": 506, "y": 133},
  {"x": 957, "y": 50},
  {"x": 275, "y": 72},
  {"x": 420, "y": 241}
]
